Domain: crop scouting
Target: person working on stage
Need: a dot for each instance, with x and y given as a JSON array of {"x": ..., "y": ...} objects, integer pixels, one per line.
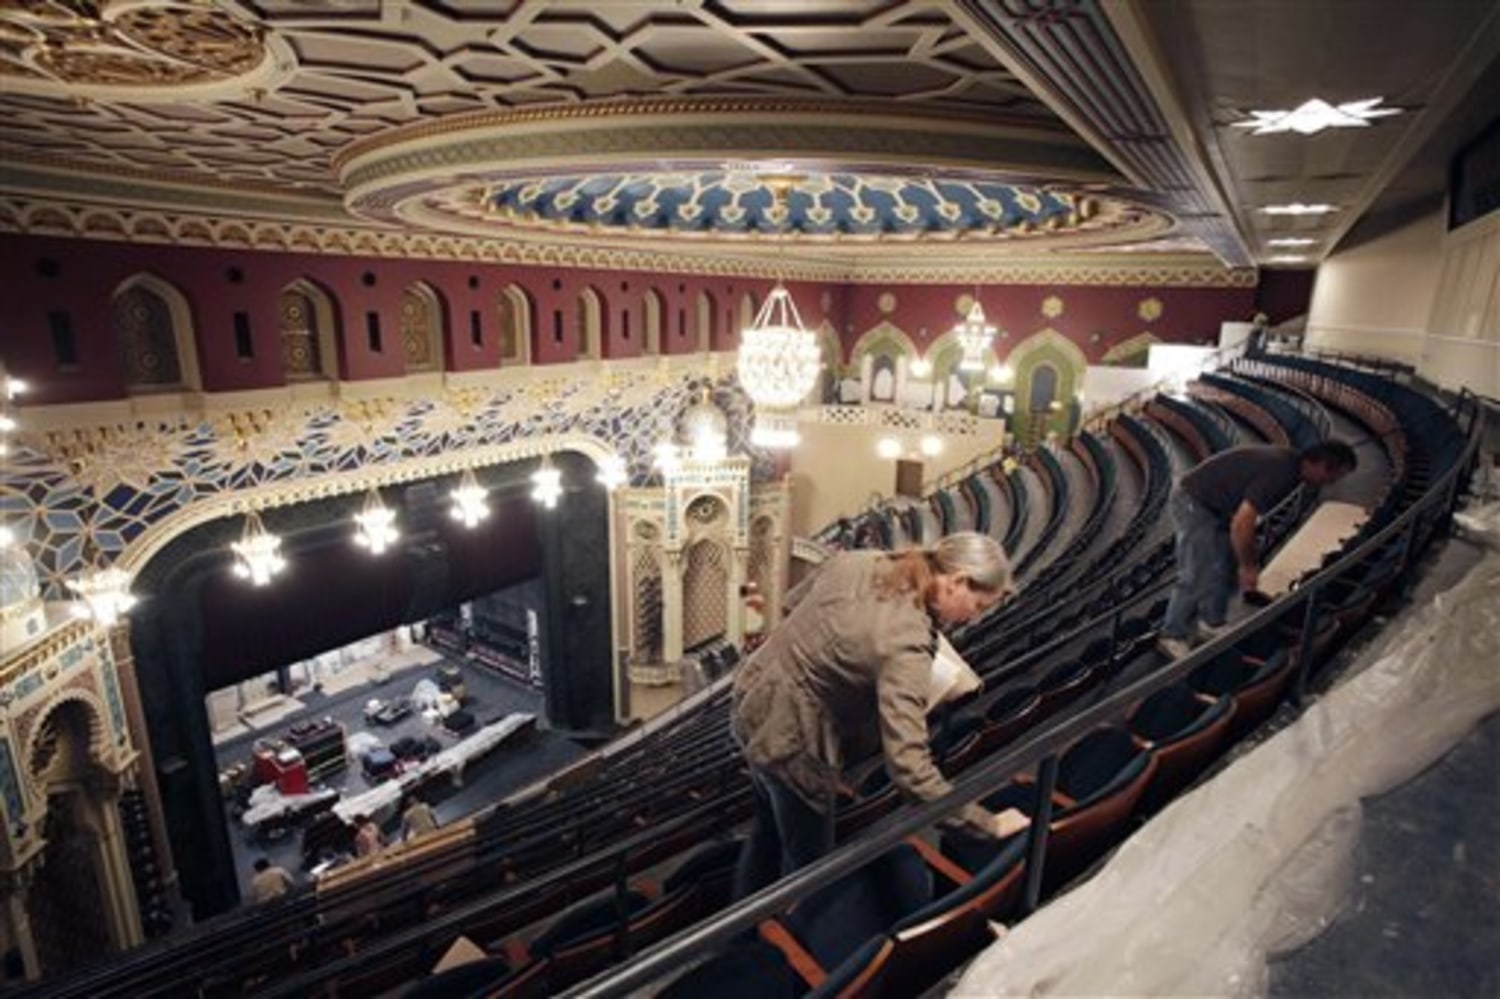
[
  {"x": 1214, "y": 510},
  {"x": 847, "y": 672}
]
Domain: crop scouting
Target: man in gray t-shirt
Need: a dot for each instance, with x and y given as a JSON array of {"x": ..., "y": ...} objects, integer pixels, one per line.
[{"x": 1214, "y": 511}]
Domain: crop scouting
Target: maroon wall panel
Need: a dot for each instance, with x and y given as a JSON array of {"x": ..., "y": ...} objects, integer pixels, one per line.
[{"x": 1285, "y": 294}]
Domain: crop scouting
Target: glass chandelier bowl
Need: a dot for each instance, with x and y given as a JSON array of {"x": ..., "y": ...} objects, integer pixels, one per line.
[
  {"x": 469, "y": 506},
  {"x": 258, "y": 552},
  {"x": 376, "y": 525},
  {"x": 974, "y": 335},
  {"x": 778, "y": 366},
  {"x": 104, "y": 595}
]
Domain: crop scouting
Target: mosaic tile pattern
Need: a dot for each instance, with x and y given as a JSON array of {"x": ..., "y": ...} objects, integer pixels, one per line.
[
  {"x": 829, "y": 205},
  {"x": 71, "y": 508},
  {"x": 10, "y": 785}
]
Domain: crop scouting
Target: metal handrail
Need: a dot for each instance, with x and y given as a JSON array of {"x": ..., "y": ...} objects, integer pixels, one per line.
[{"x": 674, "y": 953}]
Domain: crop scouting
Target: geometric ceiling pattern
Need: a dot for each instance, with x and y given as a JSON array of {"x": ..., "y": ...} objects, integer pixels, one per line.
[{"x": 424, "y": 116}]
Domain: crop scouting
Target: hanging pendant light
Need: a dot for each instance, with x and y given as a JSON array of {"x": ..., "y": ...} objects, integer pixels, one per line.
[
  {"x": 547, "y": 484},
  {"x": 376, "y": 525},
  {"x": 257, "y": 553},
  {"x": 469, "y": 506},
  {"x": 974, "y": 335},
  {"x": 778, "y": 366},
  {"x": 104, "y": 595}
]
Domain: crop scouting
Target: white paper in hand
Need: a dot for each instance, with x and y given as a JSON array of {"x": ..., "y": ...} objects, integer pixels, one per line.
[{"x": 951, "y": 678}]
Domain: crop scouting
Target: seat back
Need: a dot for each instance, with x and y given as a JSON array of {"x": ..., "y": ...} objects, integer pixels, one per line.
[
  {"x": 833, "y": 923},
  {"x": 1182, "y": 746}
]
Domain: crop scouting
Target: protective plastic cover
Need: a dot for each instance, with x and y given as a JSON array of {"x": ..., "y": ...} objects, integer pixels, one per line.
[{"x": 1257, "y": 861}]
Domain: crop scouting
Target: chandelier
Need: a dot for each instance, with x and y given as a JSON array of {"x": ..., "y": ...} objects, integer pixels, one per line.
[
  {"x": 778, "y": 365},
  {"x": 469, "y": 507},
  {"x": 104, "y": 595},
  {"x": 547, "y": 484},
  {"x": 258, "y": 552},
  {"x": 377, "y": 525},
  {"x": 974, "y": 335}
]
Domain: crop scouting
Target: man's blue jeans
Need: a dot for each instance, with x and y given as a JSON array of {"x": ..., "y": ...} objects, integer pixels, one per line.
[
  {"x": 786, "y": 833},
  {"x": 1206, "y": 578}
]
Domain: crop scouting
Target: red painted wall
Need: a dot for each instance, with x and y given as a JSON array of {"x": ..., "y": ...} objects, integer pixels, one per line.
[
  {"x": 1094, "y": 317},
  {"x": 80, "y": 277}
]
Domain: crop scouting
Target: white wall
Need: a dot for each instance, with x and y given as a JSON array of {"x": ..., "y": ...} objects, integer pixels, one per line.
[
  {"x": 1462, "y": 348},
  {"x": 1420, "y": 295},
  {"x": 1376, "y": 298},
  {"x": 835, "y": 471}
]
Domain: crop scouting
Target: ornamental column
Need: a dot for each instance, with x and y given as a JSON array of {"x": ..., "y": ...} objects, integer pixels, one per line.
[{"x": 671, "y": 605}]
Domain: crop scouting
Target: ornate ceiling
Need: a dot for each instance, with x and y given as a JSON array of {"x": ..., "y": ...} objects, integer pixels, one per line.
[{"x": 629, "y": 123}]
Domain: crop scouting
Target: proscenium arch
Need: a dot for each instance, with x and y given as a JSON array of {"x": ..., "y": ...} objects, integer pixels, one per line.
[
  {"x": 170, "y": 635},
  {"x": 184, "y": 336}
]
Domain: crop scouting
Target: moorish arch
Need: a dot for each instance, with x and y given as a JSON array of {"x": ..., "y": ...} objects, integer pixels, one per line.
[
  {"x": 308, "y": 325},
  {"x": 81, "y": 899},
  {"x": 653, "y": 309},
  {"x": 1047, "y": 349},
  {"x": 589, "y": 328},
  {"x": 153, "y": 326},
  {"x": 517, "y": 321},
  {"x": 881, "y": 357},
  {"x": 707, "y": 326},
  {"x": 422, "y": 324}
]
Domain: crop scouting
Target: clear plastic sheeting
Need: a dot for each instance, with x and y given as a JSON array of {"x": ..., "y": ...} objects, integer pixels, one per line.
[{"x": 1256, "y": 862}]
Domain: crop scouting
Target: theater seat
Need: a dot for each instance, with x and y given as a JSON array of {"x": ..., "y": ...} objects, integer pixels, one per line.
[
  {"x": 744, "y": 971},
  {"x": 1063, "y": 683},
  {"x": 583, "y": 940},
  {"x": 1256, "y": 685},
  {"x": 832, "y": 924},
  {"x": 1184, "y": 732}
]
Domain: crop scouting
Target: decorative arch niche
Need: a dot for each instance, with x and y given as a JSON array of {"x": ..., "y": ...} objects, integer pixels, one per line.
[
  {"x": 516, "y": 312},
  {"x": 309, "y": 332},
  {"x": 1051, "y": 349},
  {"x": 421, "y": 328},
  {"x": 153, "y": 327},
  {"x": 590, "y": 325},
  {"x": 653, "y": 308},
  {"x": 881, "y": 356},
  {"x": 707, "y": 328}
]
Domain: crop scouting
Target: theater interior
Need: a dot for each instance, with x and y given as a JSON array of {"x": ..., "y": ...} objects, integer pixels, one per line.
[{"x": 436, "y": 400}]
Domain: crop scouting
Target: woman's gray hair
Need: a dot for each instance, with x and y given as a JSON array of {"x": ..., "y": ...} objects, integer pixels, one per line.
[{"x": 976, "y": 556}]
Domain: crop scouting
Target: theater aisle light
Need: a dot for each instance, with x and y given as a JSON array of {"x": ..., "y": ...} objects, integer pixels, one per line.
[
  {"x": 103, "y": 595},
  {"x": 778, "y": 365},
  {"x": 974, "y": 335},
  {"x": 376, "y": 525},
  {"x": 469, "y": 506},
  {"x": 613, "y": 472},
  {"x": 1311, "y": 117},
  {"x": 1298, "y": 208},
  {"x": 547, "y": 484},
  {"x": 257, "y": 555}
]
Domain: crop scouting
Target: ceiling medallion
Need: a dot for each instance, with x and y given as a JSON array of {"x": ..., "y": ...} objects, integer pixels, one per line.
[
  {"x": 98, "y": 50},
  {"x": 1313, "y": 116}
]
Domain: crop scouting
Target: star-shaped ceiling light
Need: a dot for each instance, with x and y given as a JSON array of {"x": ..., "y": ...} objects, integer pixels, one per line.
[{"x": 1315, "y": 115}]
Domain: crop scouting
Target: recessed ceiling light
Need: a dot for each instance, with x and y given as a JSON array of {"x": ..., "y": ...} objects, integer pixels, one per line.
[
  {"x": 1287, "y": 258},
  {"x": 1315, "y": 115},
  {"x": 1298, "y": 208},
  {"x": 1291, "y": 241}
]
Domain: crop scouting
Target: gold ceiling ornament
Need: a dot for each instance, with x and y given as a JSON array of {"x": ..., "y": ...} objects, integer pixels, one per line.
[
  {"x": 97, "y": 49},
  {"x": 1150, "y": 309},
  {"x": 1052, "y": 306}
]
